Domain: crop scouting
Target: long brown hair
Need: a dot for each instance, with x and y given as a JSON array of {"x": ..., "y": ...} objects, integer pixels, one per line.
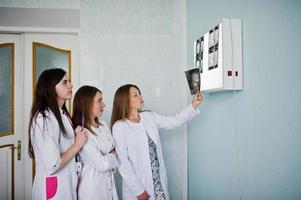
[
  {"x": 45, "y": 99},
  {"x": 83, "y": 105},
  {"x": 121, "y": 103}
]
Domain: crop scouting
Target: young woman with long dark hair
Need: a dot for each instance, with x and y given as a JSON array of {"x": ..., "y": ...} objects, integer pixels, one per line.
[{"x": 52, "y": 142}]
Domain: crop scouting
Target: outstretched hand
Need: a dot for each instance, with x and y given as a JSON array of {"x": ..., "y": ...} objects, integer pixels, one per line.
[{"x": 197, "y": 99}]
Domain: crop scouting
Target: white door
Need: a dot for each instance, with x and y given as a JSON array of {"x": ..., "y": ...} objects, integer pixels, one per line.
[
  {"x": 11, "y": 121},
  {"x": 36, "y": 53}
]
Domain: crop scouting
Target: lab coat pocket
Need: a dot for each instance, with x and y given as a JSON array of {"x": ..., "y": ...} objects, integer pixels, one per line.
[{"x": 51, "y": 186}]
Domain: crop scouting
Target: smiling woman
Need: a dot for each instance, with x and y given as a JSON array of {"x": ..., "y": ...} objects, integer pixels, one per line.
[{"x": 98, "y": 156}]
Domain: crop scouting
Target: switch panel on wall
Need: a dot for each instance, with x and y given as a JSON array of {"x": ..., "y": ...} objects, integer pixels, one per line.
[{"x": 218, "y": 54}]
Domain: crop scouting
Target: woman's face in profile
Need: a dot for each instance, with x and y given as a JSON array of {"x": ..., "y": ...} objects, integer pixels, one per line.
[
  {"x": 64, "y": 89},
  {"x": 135, "y": 99},
  {"x": 98, "y": 105}
]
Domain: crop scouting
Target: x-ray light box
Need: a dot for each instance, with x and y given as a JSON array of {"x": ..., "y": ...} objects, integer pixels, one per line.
[{"x": 218, "y": 55}]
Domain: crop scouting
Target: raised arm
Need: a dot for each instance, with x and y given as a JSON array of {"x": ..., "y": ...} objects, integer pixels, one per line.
[{"x": 169, "y": 122}]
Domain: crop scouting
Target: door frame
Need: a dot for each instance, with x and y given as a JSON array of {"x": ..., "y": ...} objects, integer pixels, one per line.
[{"x": 10, "y": 141}]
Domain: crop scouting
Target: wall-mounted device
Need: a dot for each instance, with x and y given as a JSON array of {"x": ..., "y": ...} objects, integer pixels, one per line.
[{"x": 218, "y": 55}]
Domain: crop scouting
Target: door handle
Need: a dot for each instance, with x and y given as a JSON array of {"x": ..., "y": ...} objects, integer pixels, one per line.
[{"x": 18, "y": 147}]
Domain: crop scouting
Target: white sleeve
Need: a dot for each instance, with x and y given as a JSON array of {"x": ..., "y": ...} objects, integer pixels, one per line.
[
  {"x": 95, "y": 158},
  {"x": 125, "y": 169},
  {"x": 46, "y": 144},
  {"x": 172, "y": 122}
]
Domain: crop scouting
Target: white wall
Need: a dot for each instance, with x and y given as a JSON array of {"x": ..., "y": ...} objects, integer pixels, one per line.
[{"x": 140, "y": 42}]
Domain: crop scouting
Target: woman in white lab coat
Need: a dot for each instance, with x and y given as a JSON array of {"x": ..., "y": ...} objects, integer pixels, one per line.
[
  {"x": 98, "y": 156},
  {"x": 138, "y": 143},
  {"x": 51, "y": 138}
]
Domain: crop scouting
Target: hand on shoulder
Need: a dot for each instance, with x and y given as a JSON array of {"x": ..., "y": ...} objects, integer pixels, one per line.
[{"x": 80, "y": 137}]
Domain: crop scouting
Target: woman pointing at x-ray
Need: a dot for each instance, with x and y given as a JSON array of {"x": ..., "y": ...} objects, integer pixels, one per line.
[{"x": 138, "y": 143}]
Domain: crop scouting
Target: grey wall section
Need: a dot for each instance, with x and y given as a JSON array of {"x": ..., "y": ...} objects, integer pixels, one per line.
[
  {"x": 247, "y": 145},
  {"x": 140, "y": 42},
  {"x": 61, "y": 4},
  {"x": 39, "y": 17}
]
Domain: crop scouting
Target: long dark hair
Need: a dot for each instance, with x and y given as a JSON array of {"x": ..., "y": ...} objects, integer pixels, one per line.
[
  {"x": 45, "y": 99},
  {"x": 82, "y": 107},
  {"x": 121, "y": 103}
]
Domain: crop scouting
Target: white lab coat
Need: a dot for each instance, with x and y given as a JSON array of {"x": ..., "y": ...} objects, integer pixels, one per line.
[
  {"x": 133, "y": 150},
  {"x": 97, "y": 179},
  {"x": 48, "y": 145}
]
